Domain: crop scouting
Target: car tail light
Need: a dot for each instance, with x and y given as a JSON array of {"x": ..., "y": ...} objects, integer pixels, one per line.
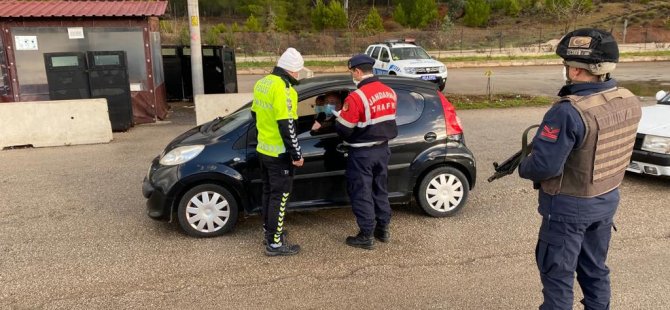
[{"x": 453, "y": 122}]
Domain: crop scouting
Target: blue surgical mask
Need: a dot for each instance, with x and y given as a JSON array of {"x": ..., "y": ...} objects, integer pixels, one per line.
[
  {"x": 319, "y": 109},
  {"x": 329, "y": 108}
]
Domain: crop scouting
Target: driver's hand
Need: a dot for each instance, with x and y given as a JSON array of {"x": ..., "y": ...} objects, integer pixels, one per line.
[
  {"x": 298, "y": 163},
  {"x": 316, "y": 126}
]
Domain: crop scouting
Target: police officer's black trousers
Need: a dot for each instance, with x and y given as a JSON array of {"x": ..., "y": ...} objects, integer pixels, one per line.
[
  {"x": 367, "y": 180},
  {"x": 277, "y": 176},
  {"x": 566, "y": 248}
]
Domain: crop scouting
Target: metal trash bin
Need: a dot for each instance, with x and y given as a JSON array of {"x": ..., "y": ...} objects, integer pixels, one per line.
[
  {"x": 108, "y": 78},
  {"x": 67, "y": 76}
]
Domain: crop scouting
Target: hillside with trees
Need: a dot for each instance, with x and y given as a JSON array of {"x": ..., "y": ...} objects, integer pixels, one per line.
[{"x": 257, "y": 27}]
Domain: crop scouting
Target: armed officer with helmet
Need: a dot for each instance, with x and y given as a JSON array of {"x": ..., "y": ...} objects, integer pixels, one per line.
[
  {"x": 578, "y": 160},
  {"x": 366, "y": 122}
]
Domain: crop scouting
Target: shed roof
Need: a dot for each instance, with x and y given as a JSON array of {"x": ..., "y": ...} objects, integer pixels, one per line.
[{"x": 61, "y": 8}]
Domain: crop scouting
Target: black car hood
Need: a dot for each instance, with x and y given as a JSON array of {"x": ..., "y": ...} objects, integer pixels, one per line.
[{"x": 212, "y": 131}]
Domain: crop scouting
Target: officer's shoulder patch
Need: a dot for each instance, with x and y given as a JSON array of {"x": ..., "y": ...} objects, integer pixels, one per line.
[
  {"x": 550, "y": 134},
  {"x": 345, "y": 107}
]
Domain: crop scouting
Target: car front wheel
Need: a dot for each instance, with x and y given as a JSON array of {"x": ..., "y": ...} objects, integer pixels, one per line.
[
  {"x": 207, "y": 210},
  {"x": 443, "y": 191}
]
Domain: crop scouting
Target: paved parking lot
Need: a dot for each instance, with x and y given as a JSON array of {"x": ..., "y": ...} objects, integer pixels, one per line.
[{"x": 74, "y": 235}]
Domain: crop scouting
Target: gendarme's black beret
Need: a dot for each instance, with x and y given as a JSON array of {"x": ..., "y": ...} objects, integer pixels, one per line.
[{"x": 360, "y": 59}]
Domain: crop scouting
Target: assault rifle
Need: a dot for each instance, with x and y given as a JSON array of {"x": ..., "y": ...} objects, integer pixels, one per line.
[{"x": 510, "y": 164}]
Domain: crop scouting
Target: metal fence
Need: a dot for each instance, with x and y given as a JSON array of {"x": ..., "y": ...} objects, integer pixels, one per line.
[{"x": 512, "y": 40}]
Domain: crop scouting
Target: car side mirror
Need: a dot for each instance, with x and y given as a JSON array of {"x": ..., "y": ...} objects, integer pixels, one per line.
[{"x": 660, "y": 95}]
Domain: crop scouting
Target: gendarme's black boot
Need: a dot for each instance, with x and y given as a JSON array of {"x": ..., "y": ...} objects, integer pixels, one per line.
[
  {"x": 382, "y": 233},
  {"x": 361, "y": 241}
]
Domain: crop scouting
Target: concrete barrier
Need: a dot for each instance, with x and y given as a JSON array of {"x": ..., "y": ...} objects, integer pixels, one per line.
[
  {"x": 211, "y": 106},
  {"x": 54, "y": 123}
]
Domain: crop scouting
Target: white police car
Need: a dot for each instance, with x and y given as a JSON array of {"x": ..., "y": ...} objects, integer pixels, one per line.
[
  {"x": 404, "y": 58},
  {"x": 651, "y": 153}
]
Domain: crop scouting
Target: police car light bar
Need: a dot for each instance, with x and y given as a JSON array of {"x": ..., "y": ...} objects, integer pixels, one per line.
[{"x": 405, "y": 40}]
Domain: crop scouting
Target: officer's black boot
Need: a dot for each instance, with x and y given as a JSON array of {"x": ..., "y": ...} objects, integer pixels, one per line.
[
  {"x": 361, "y": 241},
  {"x": 382, "y": 233},
  {"x": 283, "y": 248}
]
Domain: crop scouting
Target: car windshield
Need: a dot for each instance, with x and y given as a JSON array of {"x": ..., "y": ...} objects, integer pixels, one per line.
[
  {"x": 229, "y": 122},
  {"x": 402, "y": 53}
]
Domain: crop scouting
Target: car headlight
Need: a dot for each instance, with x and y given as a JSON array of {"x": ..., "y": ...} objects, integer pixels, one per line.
[
  {"x": 443, "y": 69},
  {"x": 181, "y": 155},
  {"x": 656, "y": 144},
  {"x": 410, "y": 70}
]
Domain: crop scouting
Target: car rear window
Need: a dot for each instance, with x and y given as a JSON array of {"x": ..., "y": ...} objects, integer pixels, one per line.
[{"x": 410, "y": 106}]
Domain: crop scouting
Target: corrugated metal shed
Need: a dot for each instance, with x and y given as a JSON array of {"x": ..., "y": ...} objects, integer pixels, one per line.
[{"x": 59, "y": 8}]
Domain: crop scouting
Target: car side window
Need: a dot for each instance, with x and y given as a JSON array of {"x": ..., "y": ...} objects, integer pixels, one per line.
[
  {"x": 410, "y": 106},
  {"x": 375, "y": 53},
  {"x": 385, "y": 55}
]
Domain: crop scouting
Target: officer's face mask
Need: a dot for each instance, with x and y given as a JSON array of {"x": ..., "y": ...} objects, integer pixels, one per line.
[
  {"x": 566, "y": 76},
  {"x": 353, "y": 76}
]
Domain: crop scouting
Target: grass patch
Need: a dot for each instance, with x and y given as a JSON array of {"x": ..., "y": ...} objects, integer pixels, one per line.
[
  {"x": 308, "y": 63},
  {"x": 650, "y": 53},
  {"x": 471, "y": 102},
  {"x": 496, "y": 58}
]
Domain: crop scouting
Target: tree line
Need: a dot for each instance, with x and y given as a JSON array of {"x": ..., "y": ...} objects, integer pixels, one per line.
[{"x": 366, "y": 15}]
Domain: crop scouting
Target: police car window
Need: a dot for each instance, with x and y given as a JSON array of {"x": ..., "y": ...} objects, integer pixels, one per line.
[
  {"x": 369, "y": 50},
  {"x": 375, "y": 53},
  {"x": 410, "y": 106},
  {"x": 385, "y": 55},
  {"x": 400, "y": 53}
]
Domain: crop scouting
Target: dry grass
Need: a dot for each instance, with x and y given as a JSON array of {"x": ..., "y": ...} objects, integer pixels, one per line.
[{"x": 647, "y": 23}]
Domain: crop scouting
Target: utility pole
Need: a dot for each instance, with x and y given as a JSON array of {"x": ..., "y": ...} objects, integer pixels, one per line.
[
  {"x": 346, "y": 8},
  {"x": 196, "y": 49},
  {"x": 625, "y": 28}
]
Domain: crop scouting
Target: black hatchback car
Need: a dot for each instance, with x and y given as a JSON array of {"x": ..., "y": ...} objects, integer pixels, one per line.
[{"x": 209, "y": 174}]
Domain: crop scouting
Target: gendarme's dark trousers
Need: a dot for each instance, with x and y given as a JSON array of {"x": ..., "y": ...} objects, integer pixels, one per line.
[
  {"x": 277, "y": 175},
  {"x": 367, "y": 180},
  {"x": 566, "y": 248}
]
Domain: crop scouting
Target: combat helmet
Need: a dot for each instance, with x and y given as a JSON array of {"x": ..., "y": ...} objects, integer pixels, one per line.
[{"x": 592, "y": 49}]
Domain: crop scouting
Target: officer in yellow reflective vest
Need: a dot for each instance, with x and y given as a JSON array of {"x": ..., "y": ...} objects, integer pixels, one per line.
[{"x": 274, "y": 110}]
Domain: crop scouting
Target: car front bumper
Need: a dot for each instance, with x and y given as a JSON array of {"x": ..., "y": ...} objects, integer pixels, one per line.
[
  {"x": 649, "y": 163},
  {"x": 157, "y": 187}
]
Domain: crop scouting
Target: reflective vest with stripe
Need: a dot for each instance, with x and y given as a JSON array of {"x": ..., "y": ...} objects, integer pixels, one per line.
[
  {"x": 598, "y": 165},
  {"x": 273, "y": 101},
  {"x": 370, "y": 113}
]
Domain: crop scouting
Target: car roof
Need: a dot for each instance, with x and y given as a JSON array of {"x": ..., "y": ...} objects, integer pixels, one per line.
[
  {"x": 345, "y": 80},
  {"x": 396, "y": 44}
]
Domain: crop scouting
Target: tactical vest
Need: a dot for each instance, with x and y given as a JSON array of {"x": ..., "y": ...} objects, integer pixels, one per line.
[{"x": 597, "y": 166}]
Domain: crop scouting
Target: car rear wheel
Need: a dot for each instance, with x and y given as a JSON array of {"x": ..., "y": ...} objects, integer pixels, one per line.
[
  {"x": 207, "y": 210},
  {"x": 443, "y": 191}
]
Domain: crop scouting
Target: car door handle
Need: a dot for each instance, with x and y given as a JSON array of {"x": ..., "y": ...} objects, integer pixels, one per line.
[
  {"x": 342, "y": 149},
  {"x": 430, "y": 137}
]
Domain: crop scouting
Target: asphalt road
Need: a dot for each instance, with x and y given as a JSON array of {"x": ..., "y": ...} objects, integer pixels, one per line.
[
  {"x": 533, "y": 80},
  {"x": 74, "y": 235}
]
